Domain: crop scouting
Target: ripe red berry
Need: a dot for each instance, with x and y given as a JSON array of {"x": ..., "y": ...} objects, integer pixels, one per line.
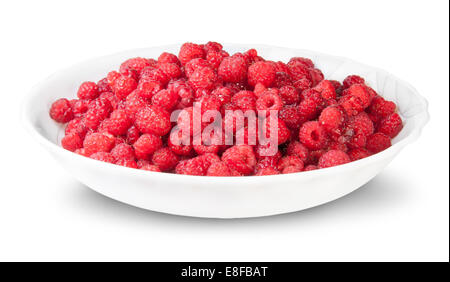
[
  {"x": 189, "y": 51},
  {"x": 88, "y": 90},
  {"x": 359, "y": 153},
  {"x": 103, "y": 156},
  {"x": 331, "y": 118},
  {"x": 333, "y": 158},
  {"x": 378, "y": 142},
  {"x": 219, "y": 169},
  {"x": 290, "y": 164},
  {"x": 240, "y": 158},
  {"x": 391, "y": 125},
  {"x": 61, "y": 111},
  {"x": 123, "y": 151},
  {"x": 313, "y": 135},
  {"x": 297, "y": 149},
  {"x": 352, "y": 79},
  {"x": 71, "y": 142},
  {"x": 165, "y": 159},
  {"x": 123, "y": 86},
  {"x": 98, "y": 142},
  {"x": 261, "y": 72},
  {"x": 118, "y": 123},
  {"x": 233, "y": 69},
  {"x": 203, "y": 78},
  {"x": 153, "y": 119},
  {"x": 146, "y": 145}
]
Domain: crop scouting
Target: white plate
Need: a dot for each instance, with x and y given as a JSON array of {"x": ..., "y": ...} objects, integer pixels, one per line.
[{"x": 221, "y": 197}]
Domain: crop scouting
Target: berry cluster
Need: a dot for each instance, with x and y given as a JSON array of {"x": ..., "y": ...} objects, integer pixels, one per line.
[{"x": 125, "y": 118}]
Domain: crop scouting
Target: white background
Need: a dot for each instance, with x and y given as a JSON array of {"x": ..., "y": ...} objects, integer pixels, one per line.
[{"x": 402, "y": 214}]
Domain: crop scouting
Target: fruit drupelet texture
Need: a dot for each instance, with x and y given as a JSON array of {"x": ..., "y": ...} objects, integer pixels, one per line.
[{"x": 125, "y": 118}]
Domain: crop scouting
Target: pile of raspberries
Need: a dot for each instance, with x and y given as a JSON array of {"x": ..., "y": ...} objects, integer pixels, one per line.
[{"x": 124, "y": 118}]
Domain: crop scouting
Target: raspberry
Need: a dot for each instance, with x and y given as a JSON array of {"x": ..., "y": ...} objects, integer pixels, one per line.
[
  {"x": 118, "y": 123},
  {"x": 168, "y": 58},
  {"x": 150, "y": 167},
  {"x": 290, "y": 164},
  {"x": 337, "y": 145},
  {"x": 331, "y": 118},
  {"x": 291, "y": 116},
  {"x": 240, "y": 158},
  {"x": 391, "y": 125},
  {"x": 326, "y": 89},
  {"x": 282, "y": 79},
  {"x": 223, "y": 94},
  {"x": 298, "y": 70},
  {"x": 289, "y": 94},
  {"x": 233, "y": 69},
  {"x": 88, "y": 90},
  {"x": 310, "y": 167},
  {"x": 244, "y": 100},
  {"x": 123, "y": 152},
  {"x": 304, "y": 61},
  {"x": 81, "y": 152},
  {"x": 103, "y": 156},
  {"x": 127, "y": 163},
  {"x": 76, "y": 126},
  {"x": 357, "y": 141},
  {"x": 219, "y": 169},
  {"x": 111, "y": 77},
  {"x": 302, "y": 84},
  {"x": 123, "y": 86},
  {"x": 351, "y": 104},
  {"x": 207, "y": 159},
  {"x": 61, "y": 111},
  {"x": 352, "y": 79},
  {"x": 72, "y": 141},
  {"x": 132, "y": 134},
  {"x": 283, "y": 133},
  {"x": 79, "y": 107},
  {"x": 316, "y": 76},
  {"x": 98, "y": 142},
  {"x": 203, "y": 78},
  {"x": 165, "y": 99},
  {"x": 313, "y": 135},
  {"x": 180, "y": 149},
  {"x": 103, "y": 85},
  {"x": 269, "y": 101},
  {"x": 153, "y": 119},
  {"x": 189, "y": 51},
  {"x": 333, "y": 158},
  {"x": 99, "y": 109},
  {"x": 213, "y": 46},
  {"x": 361, "y": 124},
  {"x": 146, "y": 145},
  {"x": 312, "y": 104},
  {"x": 337, "y": 87},
  {"x": 195, "y": 64},
  {"x": 136, "y": 64},
  {"x": 359, "y": 153},
  {"x": 267, "y": 171},
  {"x": 381, "y": 107},
  {"x": 171, "y": 70},
  {"x": 190, "y": 167},
  {"x": 360, "y": 91},
  {"x": 165, "y": 159},
  {"x": 134, "y": 103},
  {"x": 261, "y": 72},
  {"x": 155, "y": 74},
  {"x": 147, "y": 88},
  {"x": 215, "y": 58},
  {"x": 297, "y": 149},
  {"x": 378, "y": 142}
]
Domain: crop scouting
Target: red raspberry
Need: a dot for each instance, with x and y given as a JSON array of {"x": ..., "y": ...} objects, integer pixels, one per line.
[
  {"x": 61, "y": 111},
  {"x": 150, "y": 167},
  {"x": 88, "y": 90},
  {"x": 153, "y": 119},
  {"x": 314, "y": 156},
  {"x": 333, "y": 158},
  {"x": 171, "y": 70},
  {"x": 233, "y": 69},
  {"x": 297, "y": 149},
  {"x": 123, "y": 152},
  {"x": 262, "y": 72},
  {"x": 134, "y": 103},
  {"x": 99, "y": 109},
  {"x": 72, "y": 142},
  {"x": 360, "y": 91},
  {"x": 189, "y": 51},
  {"x": 98, "y": 142},
  {"x": 282, "y": 130},
  {"x": 391, "y": 125},
  {"x": 207, "y": 159},
  {"x": 381, "y": 107},
  {"x": 136, "y": 64},
  {"x": 112, "y": 77},
  {"x": 357, "y": 141},
  {"x": 337, "y": 87},
  {"x": 326, "y": 89},
  {"x": 155, "y": 74},
  {"x": 240, "y": 158},
  {"x": 168, "y": 58},
  {"x": 79, "y": 107},
  {"x": 289, "y": 94},
  {"x": 215, "y": 58},
  {"x": 302, "y": 84},
  {"x": 127, "y": 163},
  {"x": 267, "y": 171},
  {"x": 378, "y": 142},
  {"x": 147, "y": 88},
  {"x": 361, "y": 124},
  {"x": 203, "y": 78},
  {"x": 141, "y": 163},
  {"x": 316, "y": 76},
  {"x": 180, "y": 148},
  {"x": 331, "y": 118},
  {"x": 81, "y": 152},
  {"x": 312, "y": 104},
  {"x": 146, "y": 145},
  {"x": 290, "y": 164},
  {"x": 165, "y": 159},
  {"x": 310, "y": 167},
  {"x": 291, "y": 116},
  {"x": 194, "y": 64},
  {"x": 313, "y": 135},
  {"x": 118, "y": 123},
  {"x": 103, "y": 85},
  {"x": 269, "y": 101},
  {"x": 304, "y": 61},
  {"x": 103, "y": 156},
  {"x": 212, "y": 46},
  {"x": 282, "y": 79},
  {"x": 219, "y": 169},
  {"x": 223, "y": 94},
  {"x": 123, "y": 86},
  {"x": 351, "y": 104},
  {"x": 298, "y": 70},
  {"x": 352, "y": 79},
  {"x": 359, "y": 153},
  {"x": 165, "y": 99},
  {"x": 132, "y": 134},
  {"x": 76, "y": 126},
  {"x": 190, "y": 167},
  {"x": 244, "y": 100}
]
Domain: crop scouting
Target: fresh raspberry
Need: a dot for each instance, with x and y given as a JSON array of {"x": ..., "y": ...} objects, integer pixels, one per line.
[
  {"x": 146, "y": 145},
  {"x": 150, "y": 167},
  {"x": 99, "y": 109},
  {"x": 61, "y": 111},
  {"x": 312, "y": 104},
  {"x": 190, "y": 167},
  {"x": 283, "y": 133},
  {"x": 103, "y": 156},
  {"x": 132, "y": 135},
  {"x": 297, "y": 149},
  {"x": 195, "y": 64},
  {"x": 333, "y": 158},
  {"x": 181, "y": 148},
  {"x": 123, "y": 151},
  {"x": 261, "y": 72},
  {"x": 223, "y": 94},
  {"x": 203, "y": 78},
  {"x": 282, "y": 79},
  {"x": 361, "y": 124},
  {"x": 76, "y": 126},
  {"x": 381, "y": 107},
  {"x": 331, "y": 118},
  {"x": 326, "y": 89},
  {"x": 290, "y": 164},
  {"x": 155, "y": 74},
  {"x": 378, "y": 142},
  {"x": 302, "y": 84},
  {"x": 111, "y": 98},
  {"x": 240, "y": 158},
  {"x": 165, "y": 99},
  {"x": 289, "y": 94},
  {"x": 352, "y": 79},
  {"x": 206, "y": 160},
  {"x": 219, "y": 169},
  {"x": 111, "y": 77},
  {"x": 103, "y": 85},
  {"x": 359, "y": 153},
  {"x": 79, "y": 107},
  {"x": 267, "y": 171},
  {"x": 245, "y": 100},
  {"x": 233, "y": 69},
  {"x": 168, "y": 58},
  {"x": 153, "y": 119},
  {"x": 98, "y": 142},
  {"x": 337, "y": 145},
  {"x": 140, "y": 163},
  {"x": 316, "y": 76},
  {"x": 313, "y": 135},
  {"x": 351, "y": 104},
  {"x": 171, "y": 70},
  {"x": 259, "y": 89},
  {"x": 358, "y": 140},
  {"x": 165, "y": 159},
  {"x": 136, "y": 64},
  {"x": 88, "y": 90},
  {"x": 123, "y": 86},
  {"x": 269, "y": 101},
  {"x": 118, "y": 123},
  {"x": 338, "y": 87},
  {"x": 127, "y": 163},
  {"x": 391, "y": 125},
  {"x": 360, "y": 91},
  {"x": 72, "y": 142},
  {"x": 212, "y": 46},
  {"x": 304, "y": 61},
  {"x": 298, "y": 70},
  {"x": 215, "y": 58},
  {"x": 189, "y": 51},
  {"x": 147, "y": 88},
  {"x": 134, "y": 103},
  {"x": 81, "y": 152},
  {"x": 310, "y": 167},
  {"x": 291, "y": 116}
]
